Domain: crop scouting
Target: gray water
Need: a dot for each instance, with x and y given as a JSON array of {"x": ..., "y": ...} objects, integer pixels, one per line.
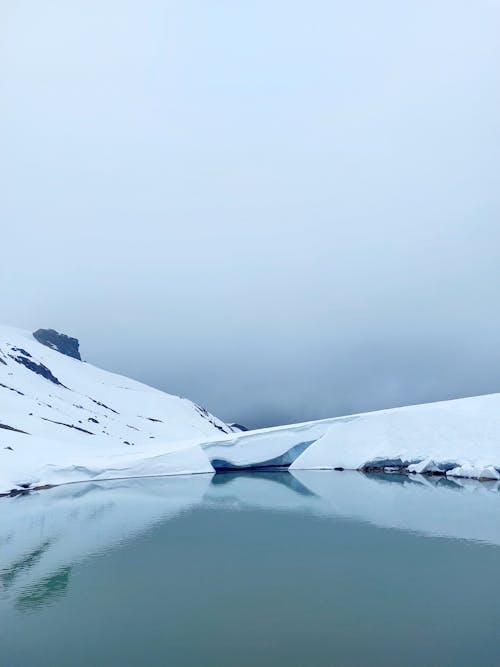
[{"x": 312, "y": 569}]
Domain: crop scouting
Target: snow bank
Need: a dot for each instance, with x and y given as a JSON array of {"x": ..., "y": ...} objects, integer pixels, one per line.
[
  {"x": 265, "y": 448},
  {"x": 460, "y": 438},
  {"x": 40, "y": 462}
]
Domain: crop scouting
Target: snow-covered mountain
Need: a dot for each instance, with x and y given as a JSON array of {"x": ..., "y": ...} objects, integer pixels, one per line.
[{"x": 64, "y": 419}]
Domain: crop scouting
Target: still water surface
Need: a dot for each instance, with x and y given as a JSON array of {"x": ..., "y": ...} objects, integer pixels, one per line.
[{"x": 306, "y": 570}]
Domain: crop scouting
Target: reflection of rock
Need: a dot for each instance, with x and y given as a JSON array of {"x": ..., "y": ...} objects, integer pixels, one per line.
[
  {"x": 44, "y": 533},
  {"x": 45, "y": 590},
  {"x": 24, "y": 564}
]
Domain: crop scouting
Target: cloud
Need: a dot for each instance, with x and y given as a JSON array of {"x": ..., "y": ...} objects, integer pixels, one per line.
[{"x": 284, "y": 212}]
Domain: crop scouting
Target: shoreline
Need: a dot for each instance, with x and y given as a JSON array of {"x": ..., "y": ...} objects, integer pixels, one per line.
[{"x": 370, "y": 470}]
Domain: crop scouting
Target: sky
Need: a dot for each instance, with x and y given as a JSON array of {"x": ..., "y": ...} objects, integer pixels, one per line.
[{"x": 283, "y": 210}]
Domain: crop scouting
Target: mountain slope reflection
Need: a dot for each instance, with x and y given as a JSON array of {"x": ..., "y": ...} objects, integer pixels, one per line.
[{"x": 42, "y": 536}]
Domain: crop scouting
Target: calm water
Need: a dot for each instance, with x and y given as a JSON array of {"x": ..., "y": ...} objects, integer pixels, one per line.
[{"x": 308, "y": 570}]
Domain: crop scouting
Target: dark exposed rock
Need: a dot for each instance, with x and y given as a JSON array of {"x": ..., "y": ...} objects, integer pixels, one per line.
[
  {"x": 206, "y": 415},
  {"x": 4, "y": 386},
  {"x": 16, "y": 492},
  {"x": 25, "y": 491},
  {"x": 103, "y": 405},
  {"x": 39, "y": 369},
  {"x": 58, "y": 341},
  {"x": 11, "y": 428},
  {"x": 78, "y": 428},
  {"x": 238, "y": 427},
  {"x": 22, "y": 351},
  {"x": 381, "y": 464}
]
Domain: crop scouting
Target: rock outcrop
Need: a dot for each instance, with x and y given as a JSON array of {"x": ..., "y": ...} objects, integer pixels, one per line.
[{"x": 58, "y": 341}]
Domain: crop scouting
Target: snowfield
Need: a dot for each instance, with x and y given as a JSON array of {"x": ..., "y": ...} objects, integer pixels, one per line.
[{"x": 63, "y": 420}]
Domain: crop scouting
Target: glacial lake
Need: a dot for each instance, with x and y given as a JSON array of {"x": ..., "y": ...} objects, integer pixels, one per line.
[{"x": 311, "y": 569}]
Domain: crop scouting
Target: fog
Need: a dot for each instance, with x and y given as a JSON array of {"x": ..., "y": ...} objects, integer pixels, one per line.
[{"x": 284, "y": 210}]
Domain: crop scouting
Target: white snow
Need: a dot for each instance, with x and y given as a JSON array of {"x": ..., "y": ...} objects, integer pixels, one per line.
[
  {"x": 457, "y": 438},
  {"x": 474, "y": 471},
  {"x": 461, "y": 436},
  {"x": 258, "y": 448},
  {"x": 108, "y": 425},
  {"x": 98, "y": 425}
]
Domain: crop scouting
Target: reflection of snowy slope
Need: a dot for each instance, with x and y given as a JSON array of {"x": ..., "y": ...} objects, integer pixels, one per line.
[
  {"x": 276, "y": 491},
  {"x": 46, "y": 533},
  {"x": 62, "y": 419},
  {"x": 464, "y": 509},
  {"x": 43, "y": 535}
]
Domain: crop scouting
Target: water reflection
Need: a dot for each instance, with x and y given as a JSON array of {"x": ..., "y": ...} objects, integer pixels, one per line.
[
  {"x": 275, "y": 477},
  {"x": 42, "y": 536},
  {"x": 23, "y": 565},
  {"x": 44, "y": 591}
]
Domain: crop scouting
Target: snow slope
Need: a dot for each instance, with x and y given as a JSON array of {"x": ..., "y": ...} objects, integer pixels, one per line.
[
  {"x": 459, "y": 438},
  {"x": 63, "y": 420}
]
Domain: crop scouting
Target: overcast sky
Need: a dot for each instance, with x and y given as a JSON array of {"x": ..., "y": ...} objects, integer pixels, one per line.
[{"x": 282, "y": 209}]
